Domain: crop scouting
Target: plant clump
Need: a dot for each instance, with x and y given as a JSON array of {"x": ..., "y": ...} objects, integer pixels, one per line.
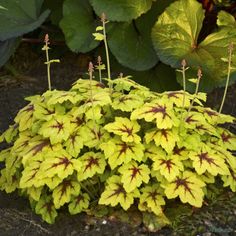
[{"x": 121, "y": 147}]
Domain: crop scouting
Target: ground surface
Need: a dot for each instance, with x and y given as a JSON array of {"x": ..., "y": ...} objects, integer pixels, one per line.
[{"x": 16, "y": 217}]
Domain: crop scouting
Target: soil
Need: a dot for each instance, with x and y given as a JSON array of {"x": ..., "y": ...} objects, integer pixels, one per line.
[{"x": 218, "y": 217}]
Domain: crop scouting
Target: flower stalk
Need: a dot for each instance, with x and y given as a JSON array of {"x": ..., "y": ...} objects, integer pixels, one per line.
[{"x": 231, "y": 46}]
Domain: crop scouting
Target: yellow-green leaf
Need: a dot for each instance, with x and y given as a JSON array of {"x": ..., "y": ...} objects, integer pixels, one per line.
[
  {"x": 115, "y": 194},
  {"x": 188, "y": 187},
  {"x": 133, "y": 175},
  {"x": 125, "y": 128},
  {"x": 63, "y": 192},
  {"x": 91, "y": 164}
]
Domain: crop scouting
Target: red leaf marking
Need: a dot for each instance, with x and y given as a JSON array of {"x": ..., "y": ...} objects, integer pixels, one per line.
[
  {"x": 158, "y": 109},
  {"x": 124, "y": 148},
  {"x": 29, "y": 108},
  {"x": 100, "y": 85},
  {"x": 174, "y": 94},
  {"x": 123, "y": 99},
  {"x": 177, "y": 151},
  {"x": 204, "y": 156},
  {"x": 78, "y": 200},
  {"x": 189, "y": 119},
  {"x": 118, "y": 191},
  {"x": 65, "y": 184},
  {"x": 33, "y": 175},
  {"x": 153, "y": 195},
  {"x": 183, "y": 182},
  {"x": 48, "y": 112},
  {"x": 97, "y": 133},
  {"x": 127, "y": 130},
  {"x": 168, "y": 164},
  {"x": 39, "y": 147},
  {"x": 59, "y": 126},
  {"x": 211, "y": 113},
  {"x": 165, "y": 134},
  {"x": 78, "y": 121},
  {"x": 225, "y": 137},
  {"x": 233, "y": 175},
  {"x": 90, "y": 162},
  {"x": 201, "y": 127},
  {"x": 63, "y": 161},
  {"x": 14, "y": 178},
  {"x": 135, "y": 171},
  {"x": 48, "y": 206}
]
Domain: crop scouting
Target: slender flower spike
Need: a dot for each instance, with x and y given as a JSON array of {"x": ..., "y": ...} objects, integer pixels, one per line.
[
  {"x": 46, "y": 39},
  {"x": 103, "y": 17},
  {"x": 183, "y": 63}
]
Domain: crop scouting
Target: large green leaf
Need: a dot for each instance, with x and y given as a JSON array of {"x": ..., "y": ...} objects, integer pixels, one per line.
[
  {"x": 176, "y": 31},
  {"x": 175, "y": 37},
  {"x": 131, "y": 45},
  {"x": 7, "y": 48},
  {"x": 121, "y": 10},
  {"x": 78, "y": 24},
  {"x": 19, "y": 17}
]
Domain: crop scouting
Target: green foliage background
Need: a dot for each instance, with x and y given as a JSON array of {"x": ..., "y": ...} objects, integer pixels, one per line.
[{"x": 142, "y": 35}]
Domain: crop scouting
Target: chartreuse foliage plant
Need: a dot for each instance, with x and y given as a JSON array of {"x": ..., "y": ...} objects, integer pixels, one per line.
[{"x": 128, "y": 147}]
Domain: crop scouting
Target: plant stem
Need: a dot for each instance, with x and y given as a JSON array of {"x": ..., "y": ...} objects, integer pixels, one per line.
[
  {"x": 199, "y": 76},
  {"x": 183, "y": 63},
  {"x": 86, "y": 189},
  {"x": 99, "y": 69},
  {"x": 103, "y": 18},
  {"x": 228, "y": 76},
  {"x": 48, "y": 71},
  {"x": 91, "y": 96},
  {"x": 48, "y": 61}
]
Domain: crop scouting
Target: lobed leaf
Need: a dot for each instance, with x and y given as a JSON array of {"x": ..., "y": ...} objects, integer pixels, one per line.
[
  {"x": 118, "y": 152},
  {"x": 115, "y": 194},
  {"x": 168, "y": 165},
  {"x": 63, "y": 192},
  {"x": 160, "y": 111},
  {"x": 92, "y": 163},
  {"x": 133, "y": 175},
  {"x": 207, "y": 159},
  {"x": 125, "y": 128},
  {"x": 57, "y": 129},
  {"x": 165, "y": 138},
  {"x": 151, "y": 199},
  {"x": 46, "y": 209},
  {"x": 79, "y": 203},
  {"x": 125, "y": 102},
  {"x": 59, "y": 163},
  {"x": 25, "y": 117},
  {"x": 188, "y": 187}
]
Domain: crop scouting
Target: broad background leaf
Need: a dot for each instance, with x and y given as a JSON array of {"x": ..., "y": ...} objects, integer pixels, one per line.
[
  {"x": 175, "y": 37},
  {"x": 7, "y": 48},
  {"x": 19, "y": 17},
  {"x": 121, "y": 10},
  {"x": 78, "y": 24}
]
